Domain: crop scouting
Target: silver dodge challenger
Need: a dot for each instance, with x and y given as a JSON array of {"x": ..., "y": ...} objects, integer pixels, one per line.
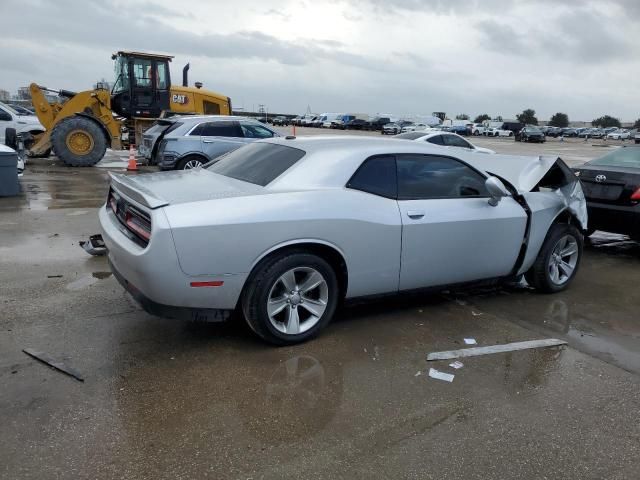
[{"x": 282, "y": 230}]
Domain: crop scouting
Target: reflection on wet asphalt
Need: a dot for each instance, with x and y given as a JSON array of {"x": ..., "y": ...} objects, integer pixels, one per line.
[{"x": 165, "y": 399}]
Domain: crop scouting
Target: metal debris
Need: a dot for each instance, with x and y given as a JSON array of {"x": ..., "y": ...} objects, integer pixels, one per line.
[
  {"x": 457, "y": 365},
  {"x": 470, "y": 341},
  {"x": 57, "y": 365},
  {"x": 95, "y": 245},
  {"x": 509, "y": 347},
  {"x": 447, "y": 377}
]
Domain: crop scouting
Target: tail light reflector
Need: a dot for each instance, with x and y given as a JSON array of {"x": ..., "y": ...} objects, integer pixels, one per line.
[
  {"x": 636, "y": 195},
  {"x": 138, "y": 224}
]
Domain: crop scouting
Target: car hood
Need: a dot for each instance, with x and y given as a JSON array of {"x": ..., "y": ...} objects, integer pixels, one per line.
[
  {"x": 28, "y": 120},
  {"x": 524, "y": 173},
  {"x": 155, "y": 190}
]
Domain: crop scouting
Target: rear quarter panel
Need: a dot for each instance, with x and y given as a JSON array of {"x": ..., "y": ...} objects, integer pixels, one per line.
[{"x": 230, "y": 236}]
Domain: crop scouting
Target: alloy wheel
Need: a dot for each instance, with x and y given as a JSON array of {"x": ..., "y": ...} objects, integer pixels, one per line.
[
  {"x": 297, "y": 300},
  {"x": 192, "y": 164},
  {"x": 563, "y": 260}
]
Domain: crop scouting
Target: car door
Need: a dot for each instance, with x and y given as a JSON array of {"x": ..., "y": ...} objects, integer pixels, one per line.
[
  {"x": 450, "y": 233},
  {"x": 6, "y": 121},
  {"x": 219, "y": 137}
]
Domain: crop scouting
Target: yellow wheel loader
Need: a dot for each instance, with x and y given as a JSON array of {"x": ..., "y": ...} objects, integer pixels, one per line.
[{"x": 83, "y": 126}]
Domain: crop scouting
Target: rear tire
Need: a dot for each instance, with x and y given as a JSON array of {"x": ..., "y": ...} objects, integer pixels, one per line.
[
  {"x": 280, "y": 316},
  {"x": 79, "y": 141},
  {"x": 190, "y": 162},
  {"x": 558, "y": 260}
]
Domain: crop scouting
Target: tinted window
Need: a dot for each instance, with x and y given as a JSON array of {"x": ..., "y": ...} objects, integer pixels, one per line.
[
  {"x": 258, "y": 163},
  {"x": 255, "y": 131},
  {"x": 429, "y": 176},
  {"x": 437, "y": 140},
  {"x": 376, "y": 175},
  {"x": 454, "y": 141},
  {"x": 210, "y": 108},
  {"x": 216, "y": 129},
  {"x": 621, "y": 157}
]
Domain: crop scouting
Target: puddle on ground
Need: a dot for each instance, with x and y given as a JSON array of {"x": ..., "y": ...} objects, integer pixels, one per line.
[{"x": 87, "y": 280}]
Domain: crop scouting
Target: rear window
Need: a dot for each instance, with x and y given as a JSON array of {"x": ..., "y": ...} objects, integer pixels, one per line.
[
  {"x": 257, "y": 163},
  {"x": 621, "y": 157}
]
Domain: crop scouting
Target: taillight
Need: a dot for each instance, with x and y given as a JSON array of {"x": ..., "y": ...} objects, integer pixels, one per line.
[
  {"x": 138, "y": 223},
  {"x": 636, "y": 195}
]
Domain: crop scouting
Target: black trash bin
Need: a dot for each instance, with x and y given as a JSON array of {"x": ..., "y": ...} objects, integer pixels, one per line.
[{"x": 9, "y": 184}]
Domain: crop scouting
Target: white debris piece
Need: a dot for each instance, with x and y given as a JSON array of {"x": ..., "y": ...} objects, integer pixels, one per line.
[
  {"x": 457, "y": 365},
  {"x": 470, "y": 341},
  {"x": 509, "y": 347},
  {"x": 447, "y": 377}
]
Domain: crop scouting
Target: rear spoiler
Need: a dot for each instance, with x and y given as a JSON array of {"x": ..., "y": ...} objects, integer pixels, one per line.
[{"x": 126, "y": 186}]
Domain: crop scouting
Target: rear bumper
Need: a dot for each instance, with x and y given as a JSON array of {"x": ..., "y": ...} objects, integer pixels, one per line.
[
  {"x": 154, "y": 277},
  {"x": 614, "y": 218}
]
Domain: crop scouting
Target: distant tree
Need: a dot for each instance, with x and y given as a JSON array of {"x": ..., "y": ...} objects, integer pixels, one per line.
[
  {"x": 482, "y": 118},
  {"x": 559, "y": 120},
  {"x": 528, "y": 117},
  {"x": 462, "y": 116},
  {"x": 606, "y": 121},
  {"x": 498, "y": 118},
  {"x": 637, "y": 124}
]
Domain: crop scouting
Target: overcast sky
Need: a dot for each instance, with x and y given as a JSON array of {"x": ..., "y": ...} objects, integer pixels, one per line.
[{"x": 395, "y": 56}]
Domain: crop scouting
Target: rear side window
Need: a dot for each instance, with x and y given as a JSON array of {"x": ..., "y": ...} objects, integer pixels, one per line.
[
  {"x": 432, "y": 176},
  {"x": 454, "y": 141},
  {"x": 377, "y": 175},
  {"x": 255, "y": 131},
  {"x": 216, "y": 129},
  {"x": 257, "y": 163},
  {"x": 437, "y": 140},
  {"x": 410, "y": 135}
]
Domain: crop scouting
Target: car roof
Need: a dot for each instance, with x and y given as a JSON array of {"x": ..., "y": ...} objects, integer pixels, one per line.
[{"x": 184, "y": 118}]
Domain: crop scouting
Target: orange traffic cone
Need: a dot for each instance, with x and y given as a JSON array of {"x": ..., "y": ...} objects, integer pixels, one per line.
[{"x": 133, "y": 166}]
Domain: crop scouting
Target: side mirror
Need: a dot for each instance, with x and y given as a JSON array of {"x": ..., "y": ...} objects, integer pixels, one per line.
[{"x": 496, "y": 189}]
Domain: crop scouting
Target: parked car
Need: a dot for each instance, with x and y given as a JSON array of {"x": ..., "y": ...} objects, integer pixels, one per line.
[
  {"x": 569, "y": 132},
  {"x": 21, "y": 110},
  {"x": 619, "y": 135},
  {"x": 611, "y": 186},
  {"x": 530, "y": 134},
  {"x": 553, "y": 132},
  {"x": 25, "y": 125},
  {"x": 414, "y": 127},
  {"x": 442, "y": 139},
  {"x": 276, "y": 232},
  {"x": 591, "y": 133},
  {"x": 280, "y": 120},
  {"x": 395, "y": 128},
  {"x": 499, "y": 132},
  {"x": 357, "y": 124},
  {"x": 637, "y": 138},
  {"x": 478, "y": 129},
  {"x": 189, "y": 141},
  {"x": 376, "y": 123}
]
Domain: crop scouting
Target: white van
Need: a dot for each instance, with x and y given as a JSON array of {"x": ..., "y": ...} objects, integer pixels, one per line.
[{"x": 330, "y": 117}]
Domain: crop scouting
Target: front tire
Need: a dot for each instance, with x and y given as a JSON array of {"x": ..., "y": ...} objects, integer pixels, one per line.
[
  {"x": 79, "y": 141},
  {"x": 290, "y": 298},
  {"x": 190, "y": 162},
  {"x": 558, "y": 260}
]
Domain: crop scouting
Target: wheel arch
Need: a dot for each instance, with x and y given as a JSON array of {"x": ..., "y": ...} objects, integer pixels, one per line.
[
  {"x": 325, "y": 250},
  {"x": 568, "y": 217}
]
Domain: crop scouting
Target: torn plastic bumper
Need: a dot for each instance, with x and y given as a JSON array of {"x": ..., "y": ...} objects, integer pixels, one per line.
[{"x": 94, "y": 246}]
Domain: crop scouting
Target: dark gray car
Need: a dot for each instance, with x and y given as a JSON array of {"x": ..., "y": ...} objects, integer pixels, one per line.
[{"x": 185, "y": 142}]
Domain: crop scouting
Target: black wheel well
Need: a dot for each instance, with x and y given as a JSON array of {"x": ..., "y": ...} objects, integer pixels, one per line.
[
  {"x": 332, "y": 256},
  {"x": 569, "y": 218}
]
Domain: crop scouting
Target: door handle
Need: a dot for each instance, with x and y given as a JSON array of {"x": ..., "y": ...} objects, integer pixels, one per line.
[
  {"x": 208, "y": 141},
  {"x": 415, "y": 214}
]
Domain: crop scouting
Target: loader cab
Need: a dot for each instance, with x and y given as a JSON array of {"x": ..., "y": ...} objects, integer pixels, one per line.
[{"x": 142, "y": 84}]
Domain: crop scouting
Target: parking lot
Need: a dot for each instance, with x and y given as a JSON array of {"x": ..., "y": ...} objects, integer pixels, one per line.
[{"x": 167, "y": 399}]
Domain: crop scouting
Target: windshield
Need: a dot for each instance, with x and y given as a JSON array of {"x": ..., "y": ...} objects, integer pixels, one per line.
[
  {"x": 257, "y": 163},
  {"x": 533, "y": 130},
  {"x": 11, "y": 109},
  {"x": 121, "y": 75},
  {"x": 622, "y": 157}
]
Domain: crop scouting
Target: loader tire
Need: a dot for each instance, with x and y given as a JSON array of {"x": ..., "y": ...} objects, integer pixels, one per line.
[{"x": 78, "y": 141}]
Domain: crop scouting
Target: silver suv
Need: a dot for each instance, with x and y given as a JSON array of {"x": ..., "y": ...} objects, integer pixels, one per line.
[{"x": 188, "y": 141}]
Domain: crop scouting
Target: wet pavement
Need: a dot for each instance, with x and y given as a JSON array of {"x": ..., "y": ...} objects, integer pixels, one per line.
[{"x": 166, "y": 399}]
